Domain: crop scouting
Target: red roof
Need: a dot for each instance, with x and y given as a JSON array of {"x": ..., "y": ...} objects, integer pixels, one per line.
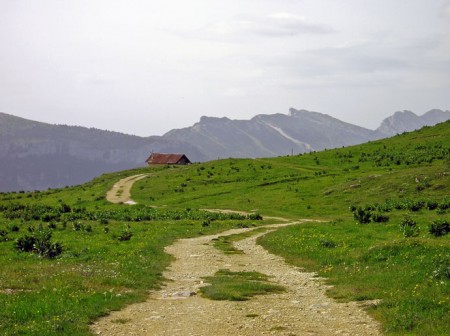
[{"x": 159, "y": 158}]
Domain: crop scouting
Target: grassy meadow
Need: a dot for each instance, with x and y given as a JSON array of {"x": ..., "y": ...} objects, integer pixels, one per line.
[{"x": 67, "y": 256}]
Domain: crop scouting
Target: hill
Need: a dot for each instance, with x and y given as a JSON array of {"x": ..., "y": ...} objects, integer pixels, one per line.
[
  {"x": 363, "y": 173},
  {"x": 384, "y": 208},
  {"x": 37, "y": 156}
]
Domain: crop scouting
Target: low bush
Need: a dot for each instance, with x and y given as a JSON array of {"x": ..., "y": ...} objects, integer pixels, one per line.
[
  {"x": 409, "y": 227},
  {"x": 441, "y": 267},
  {"x": 125, "y": 234},
  {"x": 3, "y": 236},
  {"x": 39, "y": 242},
  {"x": 362, "y": 215},
  {"x": 327, "y": 243},
  {"x": 379, "y": 217},
  {"x": 439, "y": 228}
]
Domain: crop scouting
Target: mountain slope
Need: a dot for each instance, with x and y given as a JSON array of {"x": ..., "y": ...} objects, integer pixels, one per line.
[
  {"x": 271, "y": 135},
  {"x": 406, "y": 121},
  {"x": 36, "y": 155}
]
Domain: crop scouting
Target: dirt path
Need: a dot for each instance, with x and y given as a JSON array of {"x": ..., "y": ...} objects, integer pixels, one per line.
[
  {"x": 120, "y": 192},
  {"x": 303, "y": 309}
]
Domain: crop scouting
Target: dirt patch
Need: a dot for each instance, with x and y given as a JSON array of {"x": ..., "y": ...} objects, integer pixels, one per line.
[
  {"x": 303, "y": 309},
  {"x": 120, "y": 192}
]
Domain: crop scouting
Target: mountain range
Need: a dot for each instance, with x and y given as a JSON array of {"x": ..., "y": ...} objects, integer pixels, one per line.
[{"x": 36, "y": 155}]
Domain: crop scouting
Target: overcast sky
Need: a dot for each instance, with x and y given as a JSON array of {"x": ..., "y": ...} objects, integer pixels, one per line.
[{"x": 147, "y": 66}]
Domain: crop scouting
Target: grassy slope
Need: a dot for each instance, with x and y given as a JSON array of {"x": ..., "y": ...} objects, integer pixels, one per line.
[
  {"x": 317, "y": 185},
  {"x": 321, "y": 185},
  {"x": 96, "y": 272},
  {"x": 410, "y": 276}
]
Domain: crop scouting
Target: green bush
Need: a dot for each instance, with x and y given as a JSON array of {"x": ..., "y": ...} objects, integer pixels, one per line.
[
  {"x": 379, "y": 218},
  {"x": 409, "y": 227},
  {"x": 13, "y": 228},
  {"x": 39, "y": 242},
  {"x": 25, "y": 243},
  {"x": 439, "y": 228},
  {"x": 3, "y": 236},
  {"x": 362, "y": 215},
  {"x": 441, "y": 267},
  {"x": 125, "y": 234},
  {"x": 327, "y": 243},
  {"x": 255, "y": 216}
]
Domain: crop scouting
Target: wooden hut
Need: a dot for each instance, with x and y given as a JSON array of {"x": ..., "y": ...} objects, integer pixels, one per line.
[{"x": 174, "y": 159}]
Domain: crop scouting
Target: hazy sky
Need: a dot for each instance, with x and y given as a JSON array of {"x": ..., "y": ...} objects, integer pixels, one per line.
[{"x": 147, "y": 66}]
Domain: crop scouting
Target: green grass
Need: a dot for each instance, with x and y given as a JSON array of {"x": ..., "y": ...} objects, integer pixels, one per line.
[
  {"x": 374, "y": 261},
  {"x": 225, "y": 243},
  {"x": 97, "y": 273},
  {"x": 320, "y": 185},
  {"x": 238, "y": 286}
]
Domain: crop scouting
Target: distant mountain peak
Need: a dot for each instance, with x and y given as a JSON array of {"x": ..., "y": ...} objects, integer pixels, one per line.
[
  {"x": 405, "y": 113},
  {"x": 205, "y": 119},
  {"x": 267, "y": 135},
  {"x": 406, "y": 121},
  {"x": 294, "y": 112}
]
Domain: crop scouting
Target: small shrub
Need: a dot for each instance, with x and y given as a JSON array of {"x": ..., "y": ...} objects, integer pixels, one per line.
[
  {"x": 51, "y": 225},
  {"x": 416, "y": 205},
  {"x": 78, "y": 226},
  {"x": 40, "y": 243},
  {"x": 13, "y": 228},
  {"x": 422, "y": 186},
  {"x": 47, "y": 217},
  {"x": 439, "y": 228},
  {"x": 25, "y": 243},
  {"x": 255, "y": 216},
  {"x": 378, "y": 217},
  {"x": 409, "y": 227},
  {"x": 3, "y": 236},
  {"x": 444, "y": 204},
  {"x": 431, "y": 205},
  {"x": 327, "y": 243},
  {"x": 125, "y": 234},
  {"x": 362, "y": 215},
  {"x": 441, "y": 267},
  {"x": 65, "y": 208}
]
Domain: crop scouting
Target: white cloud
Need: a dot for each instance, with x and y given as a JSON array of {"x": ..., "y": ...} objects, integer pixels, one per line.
[
  {"x": 445, "y": 11},
  {"x": 276, "y": 25},
  {"x": 234, "y": 92},
  {"x": 171, "y": 61}
]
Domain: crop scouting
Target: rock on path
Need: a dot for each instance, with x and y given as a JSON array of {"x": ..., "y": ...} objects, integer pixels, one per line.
[{"x": 303, "y": 309}]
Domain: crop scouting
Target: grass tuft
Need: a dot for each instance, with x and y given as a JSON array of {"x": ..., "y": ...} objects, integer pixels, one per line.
[{"x": 238, "y": 286}]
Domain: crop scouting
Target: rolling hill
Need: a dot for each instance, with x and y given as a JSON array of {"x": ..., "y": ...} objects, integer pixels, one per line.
[
  {"x": 395, "y": 262},
  {"x": 37, "y": 156}
]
